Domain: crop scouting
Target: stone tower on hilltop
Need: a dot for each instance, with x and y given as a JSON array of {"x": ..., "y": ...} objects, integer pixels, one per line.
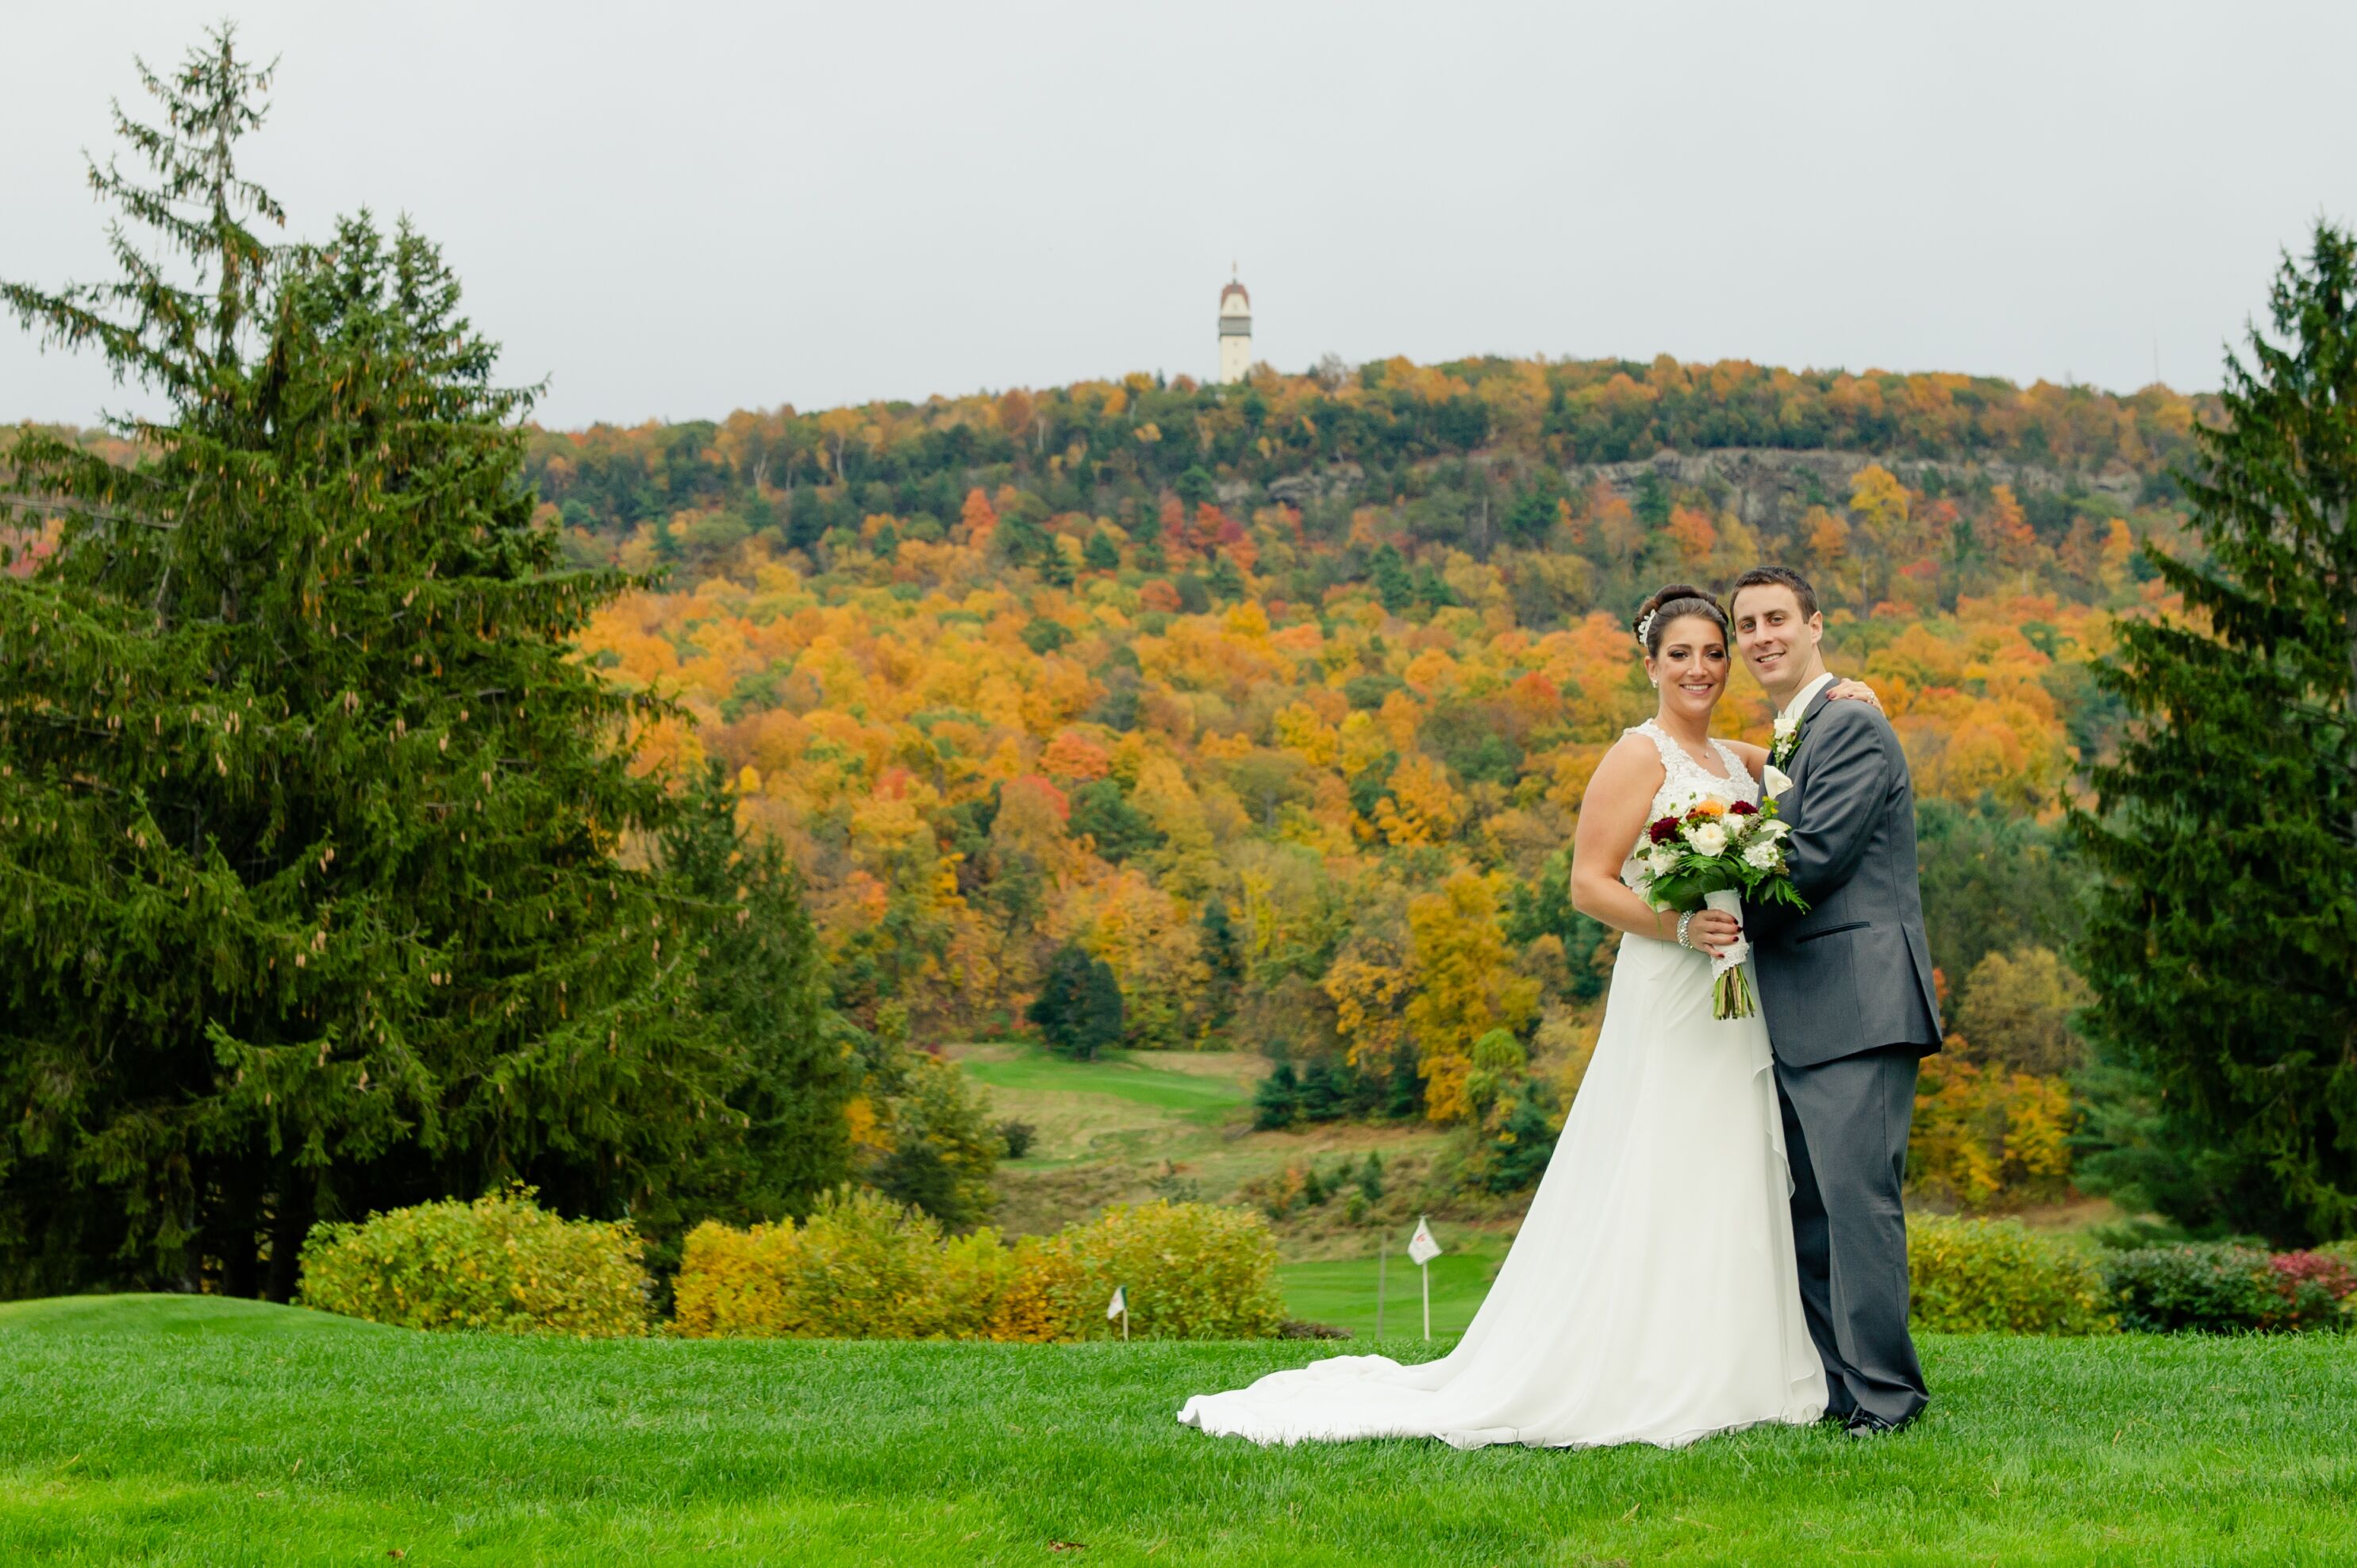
[{"x": 1235, "y": 332}]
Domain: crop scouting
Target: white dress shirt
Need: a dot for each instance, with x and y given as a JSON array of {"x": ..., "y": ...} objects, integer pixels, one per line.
[{"x": 1802, "y": 699}]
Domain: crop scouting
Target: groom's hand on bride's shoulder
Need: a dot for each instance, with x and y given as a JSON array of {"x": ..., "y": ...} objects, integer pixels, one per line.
[{"x": 1855, "y": 691}]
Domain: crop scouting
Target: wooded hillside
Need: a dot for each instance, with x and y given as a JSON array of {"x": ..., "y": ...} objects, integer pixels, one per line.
[{"x": 1279, "y": 698}]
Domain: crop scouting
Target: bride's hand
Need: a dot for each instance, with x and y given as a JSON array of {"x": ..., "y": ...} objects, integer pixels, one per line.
[
  {"x": 1713, "y": 929},
  {"x": 1856, "y": 691}
]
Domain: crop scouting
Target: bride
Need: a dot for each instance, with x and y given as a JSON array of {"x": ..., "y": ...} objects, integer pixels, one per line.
[{"x": 1651, "y": 1294}]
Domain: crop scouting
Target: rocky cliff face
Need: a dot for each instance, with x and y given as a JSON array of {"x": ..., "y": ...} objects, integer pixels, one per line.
[
  {"x": 1759, "y": 484},
  {"x": 1764, "y": 483}
]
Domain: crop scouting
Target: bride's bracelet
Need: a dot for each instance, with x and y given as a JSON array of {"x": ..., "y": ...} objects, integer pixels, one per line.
[{"x": 1683, "y": 922}]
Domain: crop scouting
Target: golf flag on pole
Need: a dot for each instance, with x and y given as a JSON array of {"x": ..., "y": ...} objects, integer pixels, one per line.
[
  {"x": 1119, "y": 1307},
  {"x": 1423, "y": 1249}
]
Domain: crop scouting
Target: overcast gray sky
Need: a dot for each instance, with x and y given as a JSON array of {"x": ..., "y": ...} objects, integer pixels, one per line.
[{"x": 677, "y": 210}]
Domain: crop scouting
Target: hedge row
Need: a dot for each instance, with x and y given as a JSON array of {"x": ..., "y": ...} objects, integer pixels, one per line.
[
  {"x": 863, "y": 1267},
  {"x": 1998, "y": 1276}
]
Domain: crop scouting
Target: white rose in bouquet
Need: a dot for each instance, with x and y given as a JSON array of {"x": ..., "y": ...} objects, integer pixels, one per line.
[{"x": 1709, "y": 838}]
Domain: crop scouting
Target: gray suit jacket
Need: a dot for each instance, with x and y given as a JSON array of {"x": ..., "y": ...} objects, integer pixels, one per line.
[{"x": 1854, "y": 972}]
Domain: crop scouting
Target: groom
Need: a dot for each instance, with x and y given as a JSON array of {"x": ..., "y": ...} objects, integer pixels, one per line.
[{"x": 1846, "y": 990}]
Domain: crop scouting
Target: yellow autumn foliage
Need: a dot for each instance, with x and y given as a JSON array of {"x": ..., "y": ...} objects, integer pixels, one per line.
[
  {"x": 865, "y": 1268},
  {"x": 502, "y": 1265}
]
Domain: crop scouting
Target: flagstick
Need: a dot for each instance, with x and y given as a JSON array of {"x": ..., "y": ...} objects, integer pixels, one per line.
[
  {"x": 1426, "y": 1270},
  {"x": 1382, "y": 1282},
  {"x": 1124, "y": 1320}
]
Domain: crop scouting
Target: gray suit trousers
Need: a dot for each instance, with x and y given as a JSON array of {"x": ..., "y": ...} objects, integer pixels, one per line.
[{"x": 1845, "y": 1126}]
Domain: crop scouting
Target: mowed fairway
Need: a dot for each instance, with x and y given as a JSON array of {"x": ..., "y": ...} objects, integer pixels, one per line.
[
  {"x": 1343, "y": 1291},
  {"x": 197, "y": 1431}
]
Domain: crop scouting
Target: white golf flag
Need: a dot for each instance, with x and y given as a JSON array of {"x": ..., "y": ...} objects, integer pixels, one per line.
[
  {"x": 1421, "y": 1247},
  {"x": 1120, "y": 1303}
]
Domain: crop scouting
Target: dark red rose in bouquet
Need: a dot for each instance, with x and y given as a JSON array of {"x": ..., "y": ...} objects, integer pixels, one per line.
[
  {"x": 1663, "y": 831},
  {"x": 1741, "y": 809}
]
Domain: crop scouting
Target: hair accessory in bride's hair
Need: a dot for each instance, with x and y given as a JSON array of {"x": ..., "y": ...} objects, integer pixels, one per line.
[{"x": 1644, "y": 624}]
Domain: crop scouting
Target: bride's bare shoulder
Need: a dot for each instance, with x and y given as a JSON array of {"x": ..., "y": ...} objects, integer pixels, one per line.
[{"x": 1632, "y": 760}]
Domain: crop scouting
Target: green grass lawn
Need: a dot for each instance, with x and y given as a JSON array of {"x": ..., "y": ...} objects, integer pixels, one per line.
[
  {"x": 1343, "y": 1291},
  {"x": 197, "y": 1431},
  {"x": 1142, "y": 1078}
]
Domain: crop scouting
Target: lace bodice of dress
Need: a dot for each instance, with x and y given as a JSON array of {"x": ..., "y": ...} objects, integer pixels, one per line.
[{"x": 1684, "y": 781}]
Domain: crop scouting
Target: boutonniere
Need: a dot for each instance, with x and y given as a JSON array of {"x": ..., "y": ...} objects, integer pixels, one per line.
[{"x": 1788, "y": 740}]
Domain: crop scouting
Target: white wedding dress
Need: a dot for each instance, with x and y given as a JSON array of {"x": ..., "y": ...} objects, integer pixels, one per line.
[{"x": 1651, "y": 1296}]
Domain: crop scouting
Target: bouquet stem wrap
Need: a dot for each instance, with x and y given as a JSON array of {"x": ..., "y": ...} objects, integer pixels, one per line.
[{"x": 1730, "y": 987}]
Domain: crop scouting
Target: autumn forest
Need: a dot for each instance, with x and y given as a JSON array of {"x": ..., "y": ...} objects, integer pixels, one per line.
[{"x": 1277, "y": 700}]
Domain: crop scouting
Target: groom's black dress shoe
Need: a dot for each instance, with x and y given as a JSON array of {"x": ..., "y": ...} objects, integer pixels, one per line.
[{"x": 1863, "y": 1424}]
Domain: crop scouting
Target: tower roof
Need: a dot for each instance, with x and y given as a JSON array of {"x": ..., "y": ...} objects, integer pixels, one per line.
[{"x": 1236, "y": 289}]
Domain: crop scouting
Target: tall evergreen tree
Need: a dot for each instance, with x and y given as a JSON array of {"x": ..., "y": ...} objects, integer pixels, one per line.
[
  {"x": 2222, "y": 949},
  {"x": 1079, "y": 1006},
  {"x": 309, "y": 893},
  {"x": 759, "y": 982}
]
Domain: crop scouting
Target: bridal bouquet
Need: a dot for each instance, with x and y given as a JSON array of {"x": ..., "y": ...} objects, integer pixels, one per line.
[{"x": 1713, "y": 856}]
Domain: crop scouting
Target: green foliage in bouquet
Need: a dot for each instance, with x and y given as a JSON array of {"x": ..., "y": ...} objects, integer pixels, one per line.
[
  {"x": 1689, "y": 863},
  {"x": 502, "y": 1264},
  {"x": 1997, "y": 1276}
]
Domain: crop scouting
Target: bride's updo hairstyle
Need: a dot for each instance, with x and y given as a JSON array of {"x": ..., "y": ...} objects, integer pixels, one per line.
[{"x": 1655, "y": 616}]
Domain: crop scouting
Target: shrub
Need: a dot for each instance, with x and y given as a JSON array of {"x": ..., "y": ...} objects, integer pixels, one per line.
[
  {"x": 2346, "y": 1252},
  {"x": 734, "y": 1283},
  {"x": 1193, "y": 1271},
  {"x": 500, "y": 1264},
  {"x": 1018, "y": 1137},
  {"x": 1045, "y": 1296},
  {"x": 2318, "y": 1289},
  {"x": 1277, "y": 1193},
  {"x": 1277, "y": 1099},
  {"x": 1978, "y": 1276},
  {"x": 2215, "y": 1287},
  {"x": 863, "y": 1267}
]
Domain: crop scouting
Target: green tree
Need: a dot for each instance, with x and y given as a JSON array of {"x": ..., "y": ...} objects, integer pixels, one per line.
[
  {"x": 1101, "y": 812},
  {"x": 1079, "y": 1007},
  {"x": 757, "y": 982},
  {"x": 1276, "y": 1099},
  {"x": 310, "y": 896},
  {"x": 1100, "y": 553},
  {"x": 1223, "y": 955},
  {"x": 1994, "y": 881},
  {"x": 937, "y": 1145},
  {"x": 1516, "y": 1154},
  {"x": 2223, "y": 948},
  {"x": 1531, "y": 518},
  {"x": 1393, "y": 584}
]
